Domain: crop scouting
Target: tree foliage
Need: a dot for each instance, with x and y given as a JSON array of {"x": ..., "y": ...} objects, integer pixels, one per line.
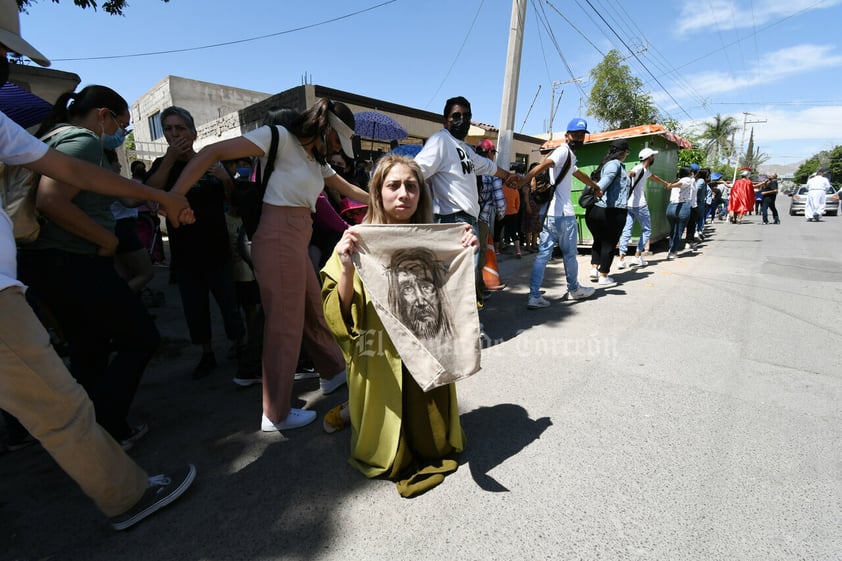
[
  {"x": 826, "y": 158},
  {"x": 617, "y": 97},
  {"x": 113, "y": 7},
  {"x": 718, "y": 138}
]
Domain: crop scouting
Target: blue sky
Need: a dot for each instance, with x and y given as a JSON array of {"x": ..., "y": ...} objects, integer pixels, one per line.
[{"x": 778, "y": 60}]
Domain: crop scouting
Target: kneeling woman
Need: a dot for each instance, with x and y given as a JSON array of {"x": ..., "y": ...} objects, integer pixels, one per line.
[{"x": 397, "y": 429}]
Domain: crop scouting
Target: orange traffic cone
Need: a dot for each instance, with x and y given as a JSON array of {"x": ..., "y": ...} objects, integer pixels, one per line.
[{"x": 490, "y": 273}]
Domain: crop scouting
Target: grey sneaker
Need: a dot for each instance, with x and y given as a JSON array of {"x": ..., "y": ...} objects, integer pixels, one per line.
[
  {"x": 539, "y": 302},
  {"x": 581, "y": 293},
  {"x": 162, "y": 490}
]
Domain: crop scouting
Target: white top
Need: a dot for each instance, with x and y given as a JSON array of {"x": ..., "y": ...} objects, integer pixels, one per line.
[
  {"x": 818, "y": 183},
  {"x": 451, "y": 167},
  {"x": 561, "y": 205},
  {"x": 298, "y": 178},
  {"x": 17, "y": 147},
  {"x": 685, "y": 193},
  {"x": 637, "y": 198}
]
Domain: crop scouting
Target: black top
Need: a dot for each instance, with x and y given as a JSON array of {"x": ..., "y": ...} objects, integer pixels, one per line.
[
  {"x": 773, "y": 184},
  {"x": 204, "y": 245}
]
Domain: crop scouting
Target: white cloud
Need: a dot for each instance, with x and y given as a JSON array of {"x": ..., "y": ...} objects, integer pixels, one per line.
[
  {"x": 772, "y": 67},
  {"x": 726, "y": 15}
]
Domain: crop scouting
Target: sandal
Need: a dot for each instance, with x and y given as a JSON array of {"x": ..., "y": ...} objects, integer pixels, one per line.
[{"x": 333, "y": 420}]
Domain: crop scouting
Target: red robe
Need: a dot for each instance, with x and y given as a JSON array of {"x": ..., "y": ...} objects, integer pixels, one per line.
[{"x": 742, "y": 196}]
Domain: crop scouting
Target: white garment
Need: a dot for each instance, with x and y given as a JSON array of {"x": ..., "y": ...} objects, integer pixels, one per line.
[
  {"x": 560, "y": 205},
  {"x": 685, "y": 193},
  {"x": 451, "y": 167},
  {"x": 816, "y": 196},
  {"x": 298, "y": 178},
  {"x": 637, "y": 198},
  {"x": 17, "y": 147}
]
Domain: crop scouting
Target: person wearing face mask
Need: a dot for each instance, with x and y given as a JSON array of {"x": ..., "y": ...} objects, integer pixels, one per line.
[
  {"x": 559, "y": 224},
  {"x": 451, "y": 166},
  {"x": 201, "y": 255},
  {"x": 289, "y": 289},
  {"x": 70, "y": 267}
]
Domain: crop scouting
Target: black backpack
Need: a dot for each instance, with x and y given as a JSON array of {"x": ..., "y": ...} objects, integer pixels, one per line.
[
  {"x": 544, "y": 188},
  {"x": 247, "y": 196}
]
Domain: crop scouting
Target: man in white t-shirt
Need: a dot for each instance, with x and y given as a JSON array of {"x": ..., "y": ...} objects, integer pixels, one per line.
[
  {"x": 451, "y": 166},
  {"x": 638, "y": 209},
  {"x": 560, "y": 225},
  {"x": 35, "y": 385}
]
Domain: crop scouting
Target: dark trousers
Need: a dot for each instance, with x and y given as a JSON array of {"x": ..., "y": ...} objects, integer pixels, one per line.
[
  {"x": 606, "y": 226},
  {"x": 99, "y": 315},
  {"x": 194, "y": 287},
  {"x": 769, "y": 203}
]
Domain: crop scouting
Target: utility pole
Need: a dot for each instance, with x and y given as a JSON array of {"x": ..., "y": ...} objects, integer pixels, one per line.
[
  {"x": 742, "y": 140},
  {"x": 510, "y": 84},
  {"x": 553, "y": 107}
]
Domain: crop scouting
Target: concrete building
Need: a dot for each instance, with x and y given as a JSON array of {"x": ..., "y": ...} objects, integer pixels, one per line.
[
  {"x": 223, "y": 112},
  {"x": 207, "y": 103}
]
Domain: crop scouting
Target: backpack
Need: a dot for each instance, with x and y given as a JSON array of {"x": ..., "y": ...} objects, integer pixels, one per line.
[
  {"x": 18, "y": 188},
  {"x": 247, "y": 196},
  {"x": 544, "y": 189}
]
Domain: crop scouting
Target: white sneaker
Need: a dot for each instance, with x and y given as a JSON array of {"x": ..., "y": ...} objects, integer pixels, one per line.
[
  {"x": 639, "y": 261},
  {"x": 329, "y": 386},
  {"x": 622, "y": 264},
  {"x": 581, "y": 292},
  {"x": 594, "y": 273},
  {"x": 606, "y": 281},
  {"x": 297, "y": 418},
  {"x": 671, "y": 256},
  {"x": 539, "y": 302}
]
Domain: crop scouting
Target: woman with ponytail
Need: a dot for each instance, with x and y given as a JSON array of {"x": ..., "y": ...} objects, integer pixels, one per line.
[{"x": 70, "y": 268}]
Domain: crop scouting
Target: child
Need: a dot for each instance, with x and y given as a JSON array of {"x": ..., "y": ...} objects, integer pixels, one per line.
[{"x": 398, "y": 430}]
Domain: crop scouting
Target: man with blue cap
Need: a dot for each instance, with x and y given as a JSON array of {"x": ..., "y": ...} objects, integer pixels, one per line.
[{"x": 559, "y": 223}]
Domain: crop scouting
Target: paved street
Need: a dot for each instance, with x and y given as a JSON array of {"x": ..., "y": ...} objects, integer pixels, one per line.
[{"x": 692, "y": 412}]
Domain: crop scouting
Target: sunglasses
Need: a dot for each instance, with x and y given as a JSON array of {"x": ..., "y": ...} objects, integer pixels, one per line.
[{"x": 457, "y": 116}]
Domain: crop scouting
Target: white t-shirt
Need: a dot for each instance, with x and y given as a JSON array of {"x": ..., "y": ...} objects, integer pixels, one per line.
[
  {"x": 685, "y": 193},
  {"x": 17, "y": 147},
  {"x": 451, "y": 167},
  {"x": 298, "y": 178},
  {"x": 561, "y": 205},
  {"x": 637, "y": 198}
]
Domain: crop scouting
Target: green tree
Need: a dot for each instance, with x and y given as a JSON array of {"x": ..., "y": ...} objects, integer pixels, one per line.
[
  {"x": 831, "y": 159},
  {"x": 617, "y": 97},
  {"x": 753, "y": 158},
  {"x": 717, "y": 136},
  {"x": 113, "y": 7}
]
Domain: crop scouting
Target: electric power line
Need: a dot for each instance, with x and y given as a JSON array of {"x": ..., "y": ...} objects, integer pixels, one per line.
[{"x": 227, "y": 43}]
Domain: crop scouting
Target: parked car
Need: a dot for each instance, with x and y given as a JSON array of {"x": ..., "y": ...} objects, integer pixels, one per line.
[{"x": 799, "y": 198}]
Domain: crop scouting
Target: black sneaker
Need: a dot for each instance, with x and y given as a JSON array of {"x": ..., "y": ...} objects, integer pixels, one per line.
[
  {"x": 205, "y": 366},
  {"x": 248, "y": 379},
  {"x": 162, "y": 490},
  {"x": 135, "y": 434}
]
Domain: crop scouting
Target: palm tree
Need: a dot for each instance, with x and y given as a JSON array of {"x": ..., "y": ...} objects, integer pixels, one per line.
[{"x": 718, "y": 136}]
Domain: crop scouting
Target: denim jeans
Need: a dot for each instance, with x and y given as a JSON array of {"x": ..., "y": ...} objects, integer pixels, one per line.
[
  {"x": 677, "y": 215},
  {"x": 769, "y": 203},
  {"x": 564, "y": 231},
  {"x": 461, "y": 218},
  {"x": 641, "y": 214}
]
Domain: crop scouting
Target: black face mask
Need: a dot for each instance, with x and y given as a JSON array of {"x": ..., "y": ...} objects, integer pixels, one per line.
[
  {"x": 4, "y": 70},
  {"x": 575, "y": 144},
  {"x": 459, "y": 129}
]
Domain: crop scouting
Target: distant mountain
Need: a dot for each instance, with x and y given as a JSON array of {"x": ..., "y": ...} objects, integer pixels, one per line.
[{"x": 780, "y": 169}]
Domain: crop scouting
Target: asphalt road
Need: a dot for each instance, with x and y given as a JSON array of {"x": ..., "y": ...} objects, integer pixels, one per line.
[{"x": 692, "y": 412}]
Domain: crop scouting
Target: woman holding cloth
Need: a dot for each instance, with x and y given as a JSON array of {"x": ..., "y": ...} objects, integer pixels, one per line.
[{"x": 289, "y": 289}]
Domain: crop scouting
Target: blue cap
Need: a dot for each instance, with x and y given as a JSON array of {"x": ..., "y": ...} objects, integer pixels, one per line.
[
  {"x": 694, "y": 167},
  {"x": 578, "y": 124},
  {"x": 715, "y": 175}
]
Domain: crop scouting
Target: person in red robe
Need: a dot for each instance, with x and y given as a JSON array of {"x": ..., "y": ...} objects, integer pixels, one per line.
[{"x": 742, "y": 197}]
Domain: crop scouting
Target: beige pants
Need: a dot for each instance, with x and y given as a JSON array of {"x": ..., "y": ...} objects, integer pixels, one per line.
[{"x": 36, "y": 387}]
